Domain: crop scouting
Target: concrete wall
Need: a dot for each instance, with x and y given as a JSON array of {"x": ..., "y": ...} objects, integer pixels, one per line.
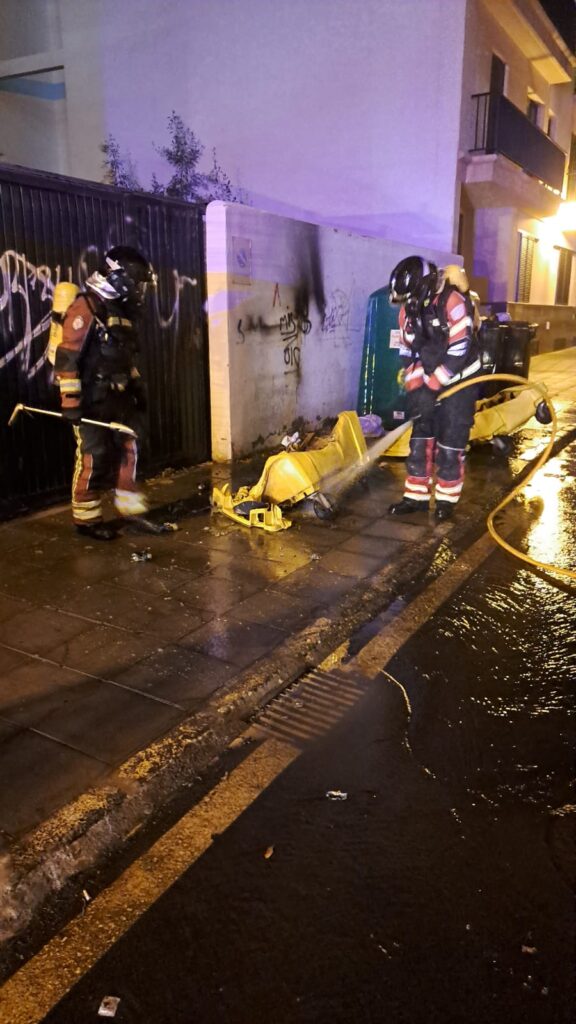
[
  {"x": 556, "y": 324},
  {"x": 33, "y": 119},
  {"x": 28, "y": 26},
  {"x": 287, "y": 304}
]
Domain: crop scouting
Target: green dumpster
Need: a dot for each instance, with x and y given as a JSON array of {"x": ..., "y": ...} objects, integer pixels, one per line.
[{"x": 380, "y": 389}]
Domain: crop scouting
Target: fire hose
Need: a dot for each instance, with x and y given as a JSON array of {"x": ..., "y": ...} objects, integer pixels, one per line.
[{"x": 521, "y": 383}]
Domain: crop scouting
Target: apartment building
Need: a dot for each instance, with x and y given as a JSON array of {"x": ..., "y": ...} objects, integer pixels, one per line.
[
  {"x": 446, "y": 124},
  {"x": 517, "y": 171}
]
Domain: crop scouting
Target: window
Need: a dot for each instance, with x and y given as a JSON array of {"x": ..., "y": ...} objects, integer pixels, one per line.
[
  {"x": 525, "y": 261},
  {"x": 497, "y": 75},
  {"x": 564, "y": 275},
  {"x": 533, "y": 112}
]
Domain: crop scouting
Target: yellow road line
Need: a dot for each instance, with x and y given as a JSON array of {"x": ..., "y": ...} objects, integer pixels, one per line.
[{"x": 40, "y": 984}]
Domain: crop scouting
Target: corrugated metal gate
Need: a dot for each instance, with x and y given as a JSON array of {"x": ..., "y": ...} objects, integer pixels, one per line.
[{"x": 54, "y": 228}]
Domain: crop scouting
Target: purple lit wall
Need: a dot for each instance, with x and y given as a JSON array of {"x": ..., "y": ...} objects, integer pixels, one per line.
[{"x": 344, "y": 112}]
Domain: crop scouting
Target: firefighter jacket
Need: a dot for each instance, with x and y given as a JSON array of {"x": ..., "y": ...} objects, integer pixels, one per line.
[
  {"x": 439, "y": 347},
  {"x": 96, "y": 358}
]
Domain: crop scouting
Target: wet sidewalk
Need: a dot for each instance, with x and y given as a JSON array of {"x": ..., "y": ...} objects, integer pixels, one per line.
[{"x": 124, "y": 666}]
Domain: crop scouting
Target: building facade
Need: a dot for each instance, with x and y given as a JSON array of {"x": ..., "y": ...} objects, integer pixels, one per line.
[{"x": 517, "y": 216}]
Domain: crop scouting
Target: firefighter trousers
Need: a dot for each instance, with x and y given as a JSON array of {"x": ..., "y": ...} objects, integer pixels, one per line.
[
  {"x": 105, "y": 458},
  {"x": 438, "y": 443}
]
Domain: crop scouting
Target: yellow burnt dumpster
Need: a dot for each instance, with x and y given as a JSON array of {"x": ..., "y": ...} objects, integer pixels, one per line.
[
  {"x": 495, "y": 419},
  {"x": 292, "y": 476}
]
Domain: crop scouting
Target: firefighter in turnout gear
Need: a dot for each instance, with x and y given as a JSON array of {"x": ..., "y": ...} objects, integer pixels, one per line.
[
  {"x": 438, "y": 349},
  {"x": 96, "y": 373}
]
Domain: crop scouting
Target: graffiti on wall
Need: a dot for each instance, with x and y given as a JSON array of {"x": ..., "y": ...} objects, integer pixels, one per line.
[
  {"x": 26, "y": 292},
  {"x": 290, "y": 326},
  {"x": 280, "y": 322},
  {"x": 336, "y": 313}
]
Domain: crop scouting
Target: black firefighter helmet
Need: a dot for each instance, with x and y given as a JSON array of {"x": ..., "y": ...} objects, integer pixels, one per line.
[
  {"x": 412, "y": 282},
  {"x": 122, "y": 279}
]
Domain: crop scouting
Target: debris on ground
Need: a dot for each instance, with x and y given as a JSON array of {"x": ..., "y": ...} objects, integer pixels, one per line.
[
  {"x": 268, "y": 853},
  {"x": 108, "y": 1006},
  {"x": 170, "y": 527},
  {"x": 371, "y": 425},
  {"x": 336, "y": 794},
  {"x": 291, "y": 441},
  {"x": 141, "y": 556}
]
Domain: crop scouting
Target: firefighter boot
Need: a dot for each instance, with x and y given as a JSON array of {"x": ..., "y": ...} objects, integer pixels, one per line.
[
  {"x": 444, "y": 510},
  {"x": 97, "y": 531},
  {"x": 407, "y": 506},
  {"x": 141, "y": 524}
]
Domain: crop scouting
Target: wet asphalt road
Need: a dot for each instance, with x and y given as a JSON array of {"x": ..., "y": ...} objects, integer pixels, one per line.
[{"x": 440, "y": 890}]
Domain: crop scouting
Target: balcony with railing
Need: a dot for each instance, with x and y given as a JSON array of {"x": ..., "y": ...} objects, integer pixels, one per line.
[{"x": 502, "y": 130}]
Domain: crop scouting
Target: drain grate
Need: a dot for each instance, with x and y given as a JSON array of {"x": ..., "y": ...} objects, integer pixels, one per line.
[{"x": 309, "y": 707}]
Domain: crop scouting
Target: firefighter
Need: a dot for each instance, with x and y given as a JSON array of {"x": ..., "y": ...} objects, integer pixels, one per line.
[
  {"x": 97, "y": 376},
  {"x": 438, "y": 349}
]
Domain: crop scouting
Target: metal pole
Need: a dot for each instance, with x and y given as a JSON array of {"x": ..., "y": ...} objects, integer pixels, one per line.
[{"x": 49, "y": 412}]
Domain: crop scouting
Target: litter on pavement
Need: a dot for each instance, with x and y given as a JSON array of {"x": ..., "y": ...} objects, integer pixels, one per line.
[
  {"x": 108, "y": 1006},
  {"x": 141, "y": 556}
]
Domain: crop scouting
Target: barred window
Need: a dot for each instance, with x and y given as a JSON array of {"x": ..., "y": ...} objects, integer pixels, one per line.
[
  {"x": 525, "y": 261},
  {"x": 564, "y": 275}
]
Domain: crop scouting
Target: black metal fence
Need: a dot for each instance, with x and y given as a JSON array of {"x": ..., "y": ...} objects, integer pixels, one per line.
[
  {"x": 56, "y": 229},
  {"x": 500, "y": 127}
]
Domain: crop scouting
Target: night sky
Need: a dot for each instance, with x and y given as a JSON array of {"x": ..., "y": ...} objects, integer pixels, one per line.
[{"x": 563, "y": 14}]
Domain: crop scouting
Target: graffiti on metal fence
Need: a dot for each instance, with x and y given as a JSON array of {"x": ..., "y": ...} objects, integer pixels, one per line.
[
  {"x": 26, "y": 292},
  {"x": 25, "y": 304}
]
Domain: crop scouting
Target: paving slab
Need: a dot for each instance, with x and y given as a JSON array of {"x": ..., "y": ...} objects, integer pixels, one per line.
[
  {"x": 39, "y": 770},
  {"x": 216, "y": 594},
  {"x": 235, "y": 642},
  {"x": 272, "y": 609},
  {"x": 178, "y": 674},
  {"x": 102, "y": 719},
  {"x": 381, "y": 548},
  {"x": 315, "y": 586},
  {"x": 10, "y": 659},
  {"x": 37, "y": 630},
  {"x": 103, "y": 650},
  {"x": 259, "y": 571},
  {"x": 349, "y": 563},
  {"x": 9, "y": 607}
]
